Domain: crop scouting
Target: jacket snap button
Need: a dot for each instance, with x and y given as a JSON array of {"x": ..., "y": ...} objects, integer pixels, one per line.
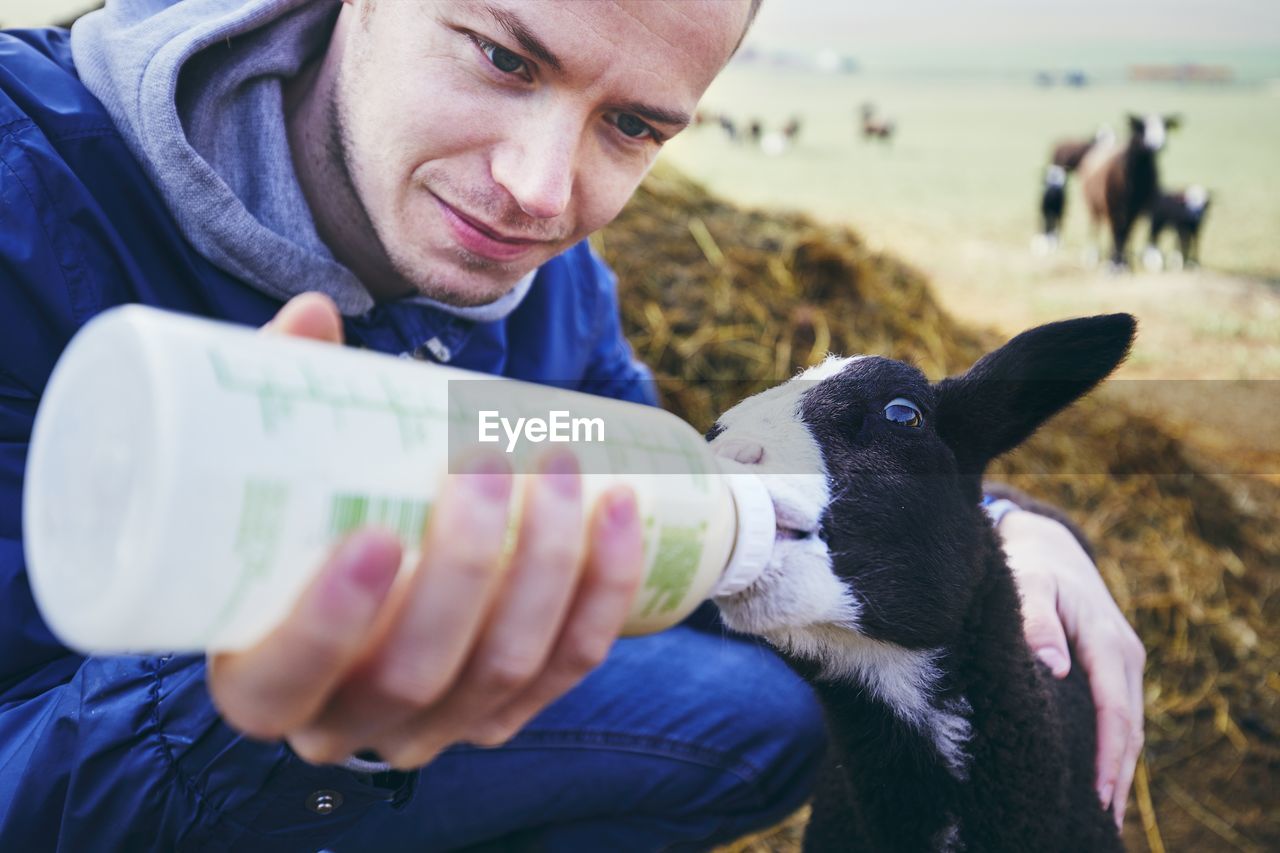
[
  {"x": 438, "y": 349},
  {"x": 323, "y": 802}
]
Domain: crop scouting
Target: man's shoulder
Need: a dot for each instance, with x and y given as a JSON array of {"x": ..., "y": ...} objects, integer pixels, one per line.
[
  {"x": 39, "y": 87},
  {"x": 82, "y": 227},
  {"x": 580, "y": 262},
  {"x": 580, "y": 275},
  {"x": 576, "y": 283}
]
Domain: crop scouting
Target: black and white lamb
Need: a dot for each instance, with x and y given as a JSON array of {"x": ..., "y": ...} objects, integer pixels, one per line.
[
  {"x": 889, "y": 593},
  {"x": 1184, "y": 212}
]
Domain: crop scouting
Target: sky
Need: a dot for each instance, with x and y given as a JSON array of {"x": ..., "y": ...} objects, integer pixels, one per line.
[
  {"x": 902, "y": 32},
  {"x": 34, "y": 13},
  {"x": 932, "y": 39},
  {"x": 1222, "y": 21},
  {"x": 947, "y": 22}
]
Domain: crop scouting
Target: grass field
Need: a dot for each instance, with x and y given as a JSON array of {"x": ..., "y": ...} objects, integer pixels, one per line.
[
  {"x": 969, "y": 154},
  {"x": 956, "y": 194}
]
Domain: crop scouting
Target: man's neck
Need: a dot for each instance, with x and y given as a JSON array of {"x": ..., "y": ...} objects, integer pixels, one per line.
[{"x": 314, "y": 141}]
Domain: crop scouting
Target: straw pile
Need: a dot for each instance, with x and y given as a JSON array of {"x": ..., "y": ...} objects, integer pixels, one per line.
[{"x": 744, "y": 298}]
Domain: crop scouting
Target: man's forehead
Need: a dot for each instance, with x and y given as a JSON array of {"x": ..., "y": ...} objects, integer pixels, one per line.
[{"x": 689, "y": 38}]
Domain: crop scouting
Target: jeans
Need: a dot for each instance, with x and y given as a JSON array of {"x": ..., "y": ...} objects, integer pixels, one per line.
[{"x": 680, "y": 741}]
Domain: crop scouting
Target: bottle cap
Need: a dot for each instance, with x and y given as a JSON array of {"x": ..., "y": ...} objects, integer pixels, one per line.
[{"x": 756, "y": 532}]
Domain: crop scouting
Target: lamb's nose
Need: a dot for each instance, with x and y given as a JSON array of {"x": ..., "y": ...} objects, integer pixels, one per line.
[{"x": 741, "y": 450}]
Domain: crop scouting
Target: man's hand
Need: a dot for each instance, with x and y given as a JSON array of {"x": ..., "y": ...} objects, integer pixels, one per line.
[
  {"x": 1063, "y": 597},
  {"x": 470, "y": 646}
]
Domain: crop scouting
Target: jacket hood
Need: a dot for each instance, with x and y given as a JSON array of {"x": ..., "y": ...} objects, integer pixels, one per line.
[{"x": 196, "y": 90}]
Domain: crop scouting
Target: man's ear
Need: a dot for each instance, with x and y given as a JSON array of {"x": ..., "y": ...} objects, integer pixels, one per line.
[{"x": 1010, "y": 392}]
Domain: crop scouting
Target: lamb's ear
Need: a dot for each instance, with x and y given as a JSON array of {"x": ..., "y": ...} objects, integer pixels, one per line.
[
  {"x": 1137, "y": 124},
  {"x": 1172, "y": 121},
  {"x": 1011, "y": 391}
]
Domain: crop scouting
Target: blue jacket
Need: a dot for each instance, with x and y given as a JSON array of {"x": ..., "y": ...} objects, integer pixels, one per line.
[{"x": 127, "y": 752}]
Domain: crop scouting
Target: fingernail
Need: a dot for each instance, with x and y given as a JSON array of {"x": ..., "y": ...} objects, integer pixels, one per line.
[
  {"x": 362, "y": 570},
  {"x": 489, "y": 476},
  {"x": 561, "y": 473},
  {"x": 622, "y": 508},
  {"x": 369, "y": 564},
  {"x": 1054, "y": 660},
  {"x": 1105, "y": 794}
]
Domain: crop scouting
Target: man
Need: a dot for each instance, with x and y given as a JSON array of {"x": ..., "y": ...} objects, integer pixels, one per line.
[{"x": 431, "y": 169}]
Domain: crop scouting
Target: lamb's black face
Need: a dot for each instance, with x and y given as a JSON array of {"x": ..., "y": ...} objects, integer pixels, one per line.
[
  {"x": 874, "y": 474},
  {"x": 899, "y": 524},
  {"x": 874, "y": 530}
]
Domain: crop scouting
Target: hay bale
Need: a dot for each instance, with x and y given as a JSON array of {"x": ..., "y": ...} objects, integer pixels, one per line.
[{"x": 722, "y": 302}]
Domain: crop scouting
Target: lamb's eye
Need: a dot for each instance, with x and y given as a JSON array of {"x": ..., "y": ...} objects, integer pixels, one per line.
[{"x": 904, "y": 412}]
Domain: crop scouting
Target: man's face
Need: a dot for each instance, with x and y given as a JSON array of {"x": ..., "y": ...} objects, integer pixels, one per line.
[{"x": 483, "y": 138}]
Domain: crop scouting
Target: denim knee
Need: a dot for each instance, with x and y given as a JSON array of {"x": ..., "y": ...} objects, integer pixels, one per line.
[{"x": 680, "y": 741}]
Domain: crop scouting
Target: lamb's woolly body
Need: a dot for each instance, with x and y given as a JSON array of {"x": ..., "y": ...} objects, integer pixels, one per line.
[
  {"x": 905, "y": 680},
  {"x": 963, "y": 750}
]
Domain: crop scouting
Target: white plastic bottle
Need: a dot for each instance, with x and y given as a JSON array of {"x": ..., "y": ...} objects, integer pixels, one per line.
[{"x": 186, "y": 478}]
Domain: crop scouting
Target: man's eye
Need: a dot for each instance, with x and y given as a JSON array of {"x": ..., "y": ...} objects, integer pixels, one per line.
[
  {"x": 502, "y": 59},
  {"x": 633, "y": 127}
]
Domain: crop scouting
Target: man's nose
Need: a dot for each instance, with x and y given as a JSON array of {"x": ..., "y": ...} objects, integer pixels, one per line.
[{"x": 537, "y": 165}]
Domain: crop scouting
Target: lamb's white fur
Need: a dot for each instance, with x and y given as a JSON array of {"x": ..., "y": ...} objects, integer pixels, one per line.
[
  {"x": 798, "y": 603},
  {"x": 828, "y": 367},
  {"x": 797, "y": 587},
  {"x": 904, "y": 679}
]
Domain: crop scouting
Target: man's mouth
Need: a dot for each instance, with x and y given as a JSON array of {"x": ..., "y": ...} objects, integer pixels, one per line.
[{"x": 480, "y": 238}]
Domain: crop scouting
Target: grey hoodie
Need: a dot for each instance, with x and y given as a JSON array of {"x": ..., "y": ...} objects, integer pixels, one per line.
[{"x": 195, "y": 87}]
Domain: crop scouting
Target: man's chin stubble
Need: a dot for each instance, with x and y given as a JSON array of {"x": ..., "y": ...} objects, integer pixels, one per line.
[{"x": 433, "y": 287}]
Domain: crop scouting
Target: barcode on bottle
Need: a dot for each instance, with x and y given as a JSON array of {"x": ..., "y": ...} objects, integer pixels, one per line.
[{"x": 408, "y": 518}]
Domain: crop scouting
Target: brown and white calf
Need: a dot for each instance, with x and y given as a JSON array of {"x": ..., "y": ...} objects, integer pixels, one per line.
[{"x": 1121, "y": 182}]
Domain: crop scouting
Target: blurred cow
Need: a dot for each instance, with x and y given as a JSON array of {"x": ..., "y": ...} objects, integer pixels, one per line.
[
  {"x": 1184, "y": 212},
  {"x": 1068, "y": 153},
  {"x": 1053, "y": 200},
  {"x": 1121, "y": 183},
  {"x": 875, "y": 128},
  {"x": 729, "y": 126}
]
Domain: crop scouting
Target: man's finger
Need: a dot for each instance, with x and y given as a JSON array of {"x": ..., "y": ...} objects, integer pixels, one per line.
[
  {"x": 526, "y": 617},
  {"x": 1111, "y": 699},
  {"x": 539, "y": 586},
  {"x": 308, "y": 315},
  {"x": 448, "y": 598},
  {"x": 284, "y": 680},
  {"x": 1042, "y": 624},
  {"x": 614, "y": 569},
  {"x": 1134, "y": 669}
]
